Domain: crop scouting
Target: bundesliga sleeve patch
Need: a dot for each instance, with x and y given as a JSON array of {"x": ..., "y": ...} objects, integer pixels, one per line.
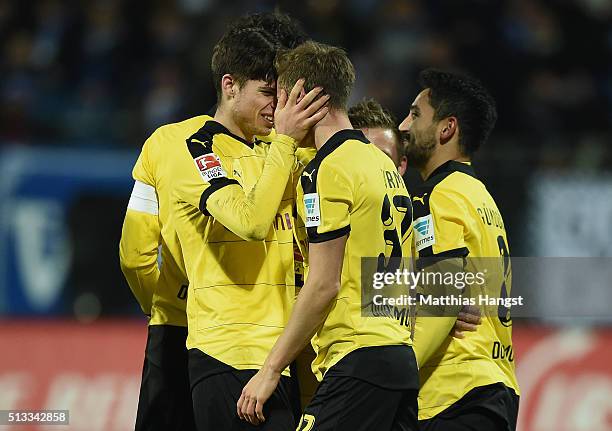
[
  {"x": 424, "y": 232},
  {"x": 313, "y": 213},
  {"x": 210, "y": 167}
]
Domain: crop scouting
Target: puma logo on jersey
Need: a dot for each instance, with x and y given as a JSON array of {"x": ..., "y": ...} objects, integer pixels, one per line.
[
  {"x": 237, "y": 174},
  {"x": 309, "y": 175},
  {"x": 420, "y": 198}
]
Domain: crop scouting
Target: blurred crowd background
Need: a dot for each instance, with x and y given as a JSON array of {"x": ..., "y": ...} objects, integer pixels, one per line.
[
  {"x": 108, "y": 72},
  {"x": 83, "y": 83}
]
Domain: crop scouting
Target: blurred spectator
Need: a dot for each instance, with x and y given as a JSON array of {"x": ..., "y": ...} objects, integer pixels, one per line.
[{"x": 107, "y": 73}]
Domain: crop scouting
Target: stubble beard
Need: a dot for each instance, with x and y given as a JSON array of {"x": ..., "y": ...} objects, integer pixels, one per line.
[{"x": 420, "y": 148}]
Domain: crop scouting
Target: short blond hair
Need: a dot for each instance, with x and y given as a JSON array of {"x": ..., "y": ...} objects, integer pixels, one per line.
[{"x": 320, "y": 65}]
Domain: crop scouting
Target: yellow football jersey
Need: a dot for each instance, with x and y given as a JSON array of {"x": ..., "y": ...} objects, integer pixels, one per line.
[
  {"x": 161, "y": 292},
  {"x": 351, "y": 187},
  {"x": 237, "y": 242},
  {"x": 300, "y": 238},
  {"x": 455, "y": 216}
]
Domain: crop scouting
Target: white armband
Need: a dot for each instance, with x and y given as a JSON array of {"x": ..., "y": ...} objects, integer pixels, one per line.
[{"x": 144, "y": 199}]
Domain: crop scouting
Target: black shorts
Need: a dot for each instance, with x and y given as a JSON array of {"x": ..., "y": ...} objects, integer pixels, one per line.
[
  {"x": 350, "y": 404},
  {"x": 165, "y": 398},
  {"x": 372, "y": 388},
  {"x": 216, "y": 388},
  {"x": 487, "y": 408}
]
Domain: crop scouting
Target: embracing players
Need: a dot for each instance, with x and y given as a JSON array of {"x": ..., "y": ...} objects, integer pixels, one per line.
[
  {"x": 366, "y": 365},
  {"x": 245, "y": 54}
]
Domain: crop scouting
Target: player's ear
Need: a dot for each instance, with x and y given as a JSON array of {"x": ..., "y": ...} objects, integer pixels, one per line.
[
  {"x": 403, "y": 166},
  {"x": 448, "y": 129},
  {"x": 228, "y": 86}
]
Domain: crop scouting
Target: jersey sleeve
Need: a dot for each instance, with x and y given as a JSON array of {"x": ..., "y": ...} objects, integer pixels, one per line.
[
  {"x": 327, "y": 207},
  {"x": 430, "y": 332},
  {"x": 442, "y": 232},
  {"x": 203, "y": 173},
  {"x": 438, "y": 234},
  {"x": 248, "y": 215},
  {"x": 143, "y": 168},
  {"x": 141, "y": 233},
  {"x": 138, "y": 250}
]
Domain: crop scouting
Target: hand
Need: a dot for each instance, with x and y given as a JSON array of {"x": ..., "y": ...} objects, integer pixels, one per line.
[
  {"x": 294, "y": 118},
  {"x": 468, "y": 319},
  {"x": 255, "y": 394}
]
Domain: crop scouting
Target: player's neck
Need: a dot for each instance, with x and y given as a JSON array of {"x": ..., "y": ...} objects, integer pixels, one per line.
[
  {"x": 438, "y": 159},
  {"x": 333, "y": 122},
  {"x": 224, "y": 117}
]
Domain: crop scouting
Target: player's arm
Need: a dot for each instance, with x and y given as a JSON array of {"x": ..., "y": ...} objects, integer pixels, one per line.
[
  {"x": 141, "y": 236},
  {"x": 309, "y": 313},
  {"x": 327, "y": 236},
  {"x": 250, "y": 215},
  {"x": 434, "y": 324}
]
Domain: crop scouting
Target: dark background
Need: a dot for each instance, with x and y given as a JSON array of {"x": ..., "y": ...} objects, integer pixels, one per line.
[{"x": 90, "y": 76}]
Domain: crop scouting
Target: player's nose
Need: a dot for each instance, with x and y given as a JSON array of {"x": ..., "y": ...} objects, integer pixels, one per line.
[{"x": 405, "y": 125}]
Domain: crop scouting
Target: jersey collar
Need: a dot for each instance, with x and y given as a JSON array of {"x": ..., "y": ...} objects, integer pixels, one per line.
[
  {"x": 214, "y": 127},
  {"x": 453, "y": 166},
  {"x": 337, "y": 139}
]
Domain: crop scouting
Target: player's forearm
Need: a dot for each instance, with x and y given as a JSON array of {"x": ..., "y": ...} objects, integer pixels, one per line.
[
  {"x": 429, "y": 334},
  {"x": 138, "y": 250},
  {"x": 434, "y": 322},
  {"x": 250, "y": 216},
  {"x": 141, "y": 282},
  {"x": 309, "y": 313}
]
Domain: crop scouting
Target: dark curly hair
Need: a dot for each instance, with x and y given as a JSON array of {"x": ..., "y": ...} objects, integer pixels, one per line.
[
  {"x": 286, "y": 31},
  {"x": 463, "y": 97},
  {"x": 246, "y": 54}
]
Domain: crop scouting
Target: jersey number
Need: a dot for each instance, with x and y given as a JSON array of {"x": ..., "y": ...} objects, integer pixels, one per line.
[
  {"x": 402, "y": 205},
  {"x": 306, "y": 423},
  {"x": 504, "y": 312}
]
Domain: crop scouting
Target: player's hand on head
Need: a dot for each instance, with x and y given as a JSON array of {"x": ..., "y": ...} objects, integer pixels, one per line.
[
  {"x": 295, "y": 114},
  {"x": 468, "y": 320},
  {"x": 255, "y": 394}
]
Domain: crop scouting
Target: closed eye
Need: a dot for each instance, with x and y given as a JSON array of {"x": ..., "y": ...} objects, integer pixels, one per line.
[{"x": 268, "y": 92}]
